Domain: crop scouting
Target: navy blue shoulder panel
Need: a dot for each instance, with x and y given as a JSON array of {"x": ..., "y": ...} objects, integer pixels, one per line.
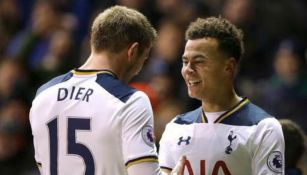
[
  {"x": 54, "y": 81},
  {"x": 189, "y": 117},
  {"x": 247, "y": 115},
  {"x": 115, "y": 87}
]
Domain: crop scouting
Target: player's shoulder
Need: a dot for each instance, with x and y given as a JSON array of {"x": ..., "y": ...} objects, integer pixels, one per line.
[
  {"x": 270, "y": 123},
  {"x": 118, "y": 89},
  {"x": 188, "y": 117},
  {"x": 54, "y": 81},
  {"x": 248, "y": 114}
]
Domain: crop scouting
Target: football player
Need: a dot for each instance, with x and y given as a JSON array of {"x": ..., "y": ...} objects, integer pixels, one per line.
[
  {"x": 88, "y": 121},
  {"x": 227, "y": 134}
]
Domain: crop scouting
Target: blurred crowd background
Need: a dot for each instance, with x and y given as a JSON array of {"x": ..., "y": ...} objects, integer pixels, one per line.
[{"x": 40, "y": 39}]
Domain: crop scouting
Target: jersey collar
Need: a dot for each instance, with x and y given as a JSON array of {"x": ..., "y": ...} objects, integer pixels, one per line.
[
  {"x": 92, "y": 71},
  {"x": 228, "y": 113}
]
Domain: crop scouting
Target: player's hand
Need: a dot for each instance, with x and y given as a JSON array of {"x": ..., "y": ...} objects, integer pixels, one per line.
[{"x": 179, "y": 168}]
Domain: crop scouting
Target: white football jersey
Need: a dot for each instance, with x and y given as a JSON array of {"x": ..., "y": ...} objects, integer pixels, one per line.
[
  {"x": 88, "y": 122},
  {"x": 243, "y": 141}
]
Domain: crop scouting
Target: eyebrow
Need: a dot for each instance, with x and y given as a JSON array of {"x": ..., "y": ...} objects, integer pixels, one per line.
[{"x": 194, "y": 56}]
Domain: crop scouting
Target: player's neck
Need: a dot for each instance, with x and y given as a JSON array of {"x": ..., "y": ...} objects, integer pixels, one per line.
[
  {"x": 104, "y": 61},
  {"x": 221, "y": 102}
]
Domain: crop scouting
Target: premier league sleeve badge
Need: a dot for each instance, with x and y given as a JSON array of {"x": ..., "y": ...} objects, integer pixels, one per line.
[
  {"x": 275, "y": 161},
  {"x": 148, "y": 135}
]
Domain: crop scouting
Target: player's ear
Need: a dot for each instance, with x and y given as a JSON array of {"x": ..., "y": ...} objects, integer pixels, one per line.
[
  {"x": 133, "y": 51},
  {"x": 231, "y": 65}
]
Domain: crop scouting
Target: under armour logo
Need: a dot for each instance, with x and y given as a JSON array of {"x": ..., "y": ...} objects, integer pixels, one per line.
[
  {"x": 187, "y": 141},
  {"x": 228, "y": 149}
]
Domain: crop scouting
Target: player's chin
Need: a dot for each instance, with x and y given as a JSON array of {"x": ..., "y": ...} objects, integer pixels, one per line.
[{"x": 192, "y": 94}]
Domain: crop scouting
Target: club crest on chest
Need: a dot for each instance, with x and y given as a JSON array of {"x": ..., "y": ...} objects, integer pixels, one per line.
[{"x": 231, "y": 137}]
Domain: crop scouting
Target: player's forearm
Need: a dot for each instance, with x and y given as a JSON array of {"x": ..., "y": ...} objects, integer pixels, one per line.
[{"x": 151, "y": 168}]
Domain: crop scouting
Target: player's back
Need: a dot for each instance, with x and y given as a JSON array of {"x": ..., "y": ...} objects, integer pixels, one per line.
[{"x": 77, "y": 122}]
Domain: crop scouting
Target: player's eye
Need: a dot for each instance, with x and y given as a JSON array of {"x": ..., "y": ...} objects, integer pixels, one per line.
[{"x": 185, "y": 62}]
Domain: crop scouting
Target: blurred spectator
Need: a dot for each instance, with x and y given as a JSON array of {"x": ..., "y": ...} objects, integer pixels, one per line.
[
  {"x": 294, "y": 147},
  {"x": 82, "y": 12},
  {"x": 60, "y": 57},
  {"x": 168, "y": 104},
  {"x": 10, "y": 22},
  {"x": 147, "y": 7},
  {"x": 285, "y": 92},
  {"x": 238, "y": 11},
  {"x": 213, "y": 6},
  {"x": 282, "y": 18},
  {"x": 166, "y": 55},
  {"x": 31, "y": 45},
  {"x": 277, "y": 19},
  {"x": 13, "y": 81},
  {"x": 15, "y": 144},
  {"x": 170, "y": 41},
  {"x": 243, "y": 14},
  {"x": 180, "y": 10},
  {"x": 164, "y": 65}
]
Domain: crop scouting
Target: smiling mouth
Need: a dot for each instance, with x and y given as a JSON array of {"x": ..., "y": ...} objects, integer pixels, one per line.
[{"x": 194, "y": 82}]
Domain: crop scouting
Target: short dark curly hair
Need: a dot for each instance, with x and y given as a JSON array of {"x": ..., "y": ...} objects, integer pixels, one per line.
[{"x": 229, "y": 37}]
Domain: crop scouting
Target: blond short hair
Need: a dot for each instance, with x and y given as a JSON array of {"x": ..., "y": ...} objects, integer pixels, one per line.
[{"x": 117, "y": 27}]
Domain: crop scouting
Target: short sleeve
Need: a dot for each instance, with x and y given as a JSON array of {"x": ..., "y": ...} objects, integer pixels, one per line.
[
  {"x": 138, "y": 141},
  {"x": 149, "y": 168},
  {"x": 268, "y": 155},
  {"x": 166, "y": 160}
]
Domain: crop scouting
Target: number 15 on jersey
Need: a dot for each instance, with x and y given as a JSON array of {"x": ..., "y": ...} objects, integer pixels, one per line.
[{"x": 73, "y": 124}]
